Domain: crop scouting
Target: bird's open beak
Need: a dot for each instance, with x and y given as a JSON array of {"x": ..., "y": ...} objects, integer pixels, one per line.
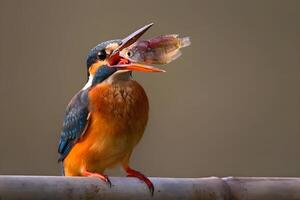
[{"x": 118, "y": 62}]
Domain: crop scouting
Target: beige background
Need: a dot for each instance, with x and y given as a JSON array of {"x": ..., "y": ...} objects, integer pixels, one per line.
[{"x": 229, "y": 106}]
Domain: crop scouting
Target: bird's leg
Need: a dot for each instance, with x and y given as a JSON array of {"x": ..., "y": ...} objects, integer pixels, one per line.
[
  {"x": 97, "y": 175},
  {"x": 139, "y": 175}
]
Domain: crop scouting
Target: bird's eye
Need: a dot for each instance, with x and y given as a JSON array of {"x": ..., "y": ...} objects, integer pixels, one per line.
[
  {"x": 129, "y": 53},
  {"x": 101, "y": 55}
]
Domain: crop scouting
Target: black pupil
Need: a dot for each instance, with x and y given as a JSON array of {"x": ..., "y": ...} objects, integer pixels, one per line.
[
  {"x": 129, "y": 54},
  {"x": 101, "y": 55}
]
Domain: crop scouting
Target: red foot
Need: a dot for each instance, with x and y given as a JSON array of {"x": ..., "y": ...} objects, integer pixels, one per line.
[
  {"x": 139, "y": 175},
  {"x": 99, "y": 176}
]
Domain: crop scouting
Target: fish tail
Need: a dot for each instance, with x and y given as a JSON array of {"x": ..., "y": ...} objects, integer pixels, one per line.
[{"x": 185, "y": 41}]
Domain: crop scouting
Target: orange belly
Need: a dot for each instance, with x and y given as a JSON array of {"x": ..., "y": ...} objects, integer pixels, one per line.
[{"x": 118, "y": 117}]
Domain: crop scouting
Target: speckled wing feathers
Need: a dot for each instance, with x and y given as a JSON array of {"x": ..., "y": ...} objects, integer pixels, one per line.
[{"x": 75, "y": 123}]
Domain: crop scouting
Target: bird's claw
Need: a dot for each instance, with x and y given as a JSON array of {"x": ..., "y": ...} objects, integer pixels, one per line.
[
  {"x": 108, "y": 181},
  {"x": 142, "y": 177},
  {"x": 102, "y": 177},
  {"x": 147, "y": 181}
]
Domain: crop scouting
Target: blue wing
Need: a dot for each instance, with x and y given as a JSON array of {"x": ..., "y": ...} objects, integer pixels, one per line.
[{"x": 75, "y": 123}]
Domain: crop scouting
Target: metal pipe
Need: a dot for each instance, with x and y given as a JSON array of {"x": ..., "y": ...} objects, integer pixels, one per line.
[{"x": 213, "y": 188}]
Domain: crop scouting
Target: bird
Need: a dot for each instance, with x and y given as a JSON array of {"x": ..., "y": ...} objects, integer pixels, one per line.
[{"x": 106, "y": 119}]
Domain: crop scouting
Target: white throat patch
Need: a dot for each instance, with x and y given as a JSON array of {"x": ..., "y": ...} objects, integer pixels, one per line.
[{"x": 89, "y": 83}]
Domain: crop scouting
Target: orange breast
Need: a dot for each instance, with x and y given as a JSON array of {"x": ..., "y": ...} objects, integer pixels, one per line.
[{"x": 119, "y": 113}]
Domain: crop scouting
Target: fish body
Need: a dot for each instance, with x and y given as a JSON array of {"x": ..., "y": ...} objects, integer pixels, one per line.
[{"x": 158, "y": 50}]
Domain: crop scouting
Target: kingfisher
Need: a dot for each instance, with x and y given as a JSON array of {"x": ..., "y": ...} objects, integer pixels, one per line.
[{"x": 106, "y": 119}]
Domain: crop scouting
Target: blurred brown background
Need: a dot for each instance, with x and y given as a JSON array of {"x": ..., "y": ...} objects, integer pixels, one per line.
[{"x": 230, "y": 106}]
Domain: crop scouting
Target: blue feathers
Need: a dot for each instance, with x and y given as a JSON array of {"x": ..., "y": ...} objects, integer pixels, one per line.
[
  {"x": 103, "y": 73},
  {"x": 76, "y": 118},
  {"x": 75, "y": 122},
  {"x": 92, "y": 56}
]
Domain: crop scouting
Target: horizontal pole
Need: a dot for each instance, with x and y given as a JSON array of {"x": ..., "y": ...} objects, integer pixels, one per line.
[{"x": 212, "y": 188}]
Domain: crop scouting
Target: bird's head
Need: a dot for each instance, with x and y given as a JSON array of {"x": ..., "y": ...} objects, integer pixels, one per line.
[{"x": 104, "y": 60}]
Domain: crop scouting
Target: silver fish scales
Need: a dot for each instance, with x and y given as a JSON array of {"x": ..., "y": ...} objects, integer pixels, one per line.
[{"x": 158, "y": 50}]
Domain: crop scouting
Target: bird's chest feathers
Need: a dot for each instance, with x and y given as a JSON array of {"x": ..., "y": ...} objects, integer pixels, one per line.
[
  {"x": 119, "y": 114},
  {"x": 121, "y": 106}
]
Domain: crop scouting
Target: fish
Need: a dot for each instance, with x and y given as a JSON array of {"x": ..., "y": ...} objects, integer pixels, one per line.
[{"x": 158, "y": 50}]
